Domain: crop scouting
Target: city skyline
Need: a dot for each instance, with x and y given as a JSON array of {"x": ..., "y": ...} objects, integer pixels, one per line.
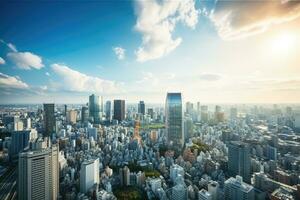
[{"x": 140, "y": 50}]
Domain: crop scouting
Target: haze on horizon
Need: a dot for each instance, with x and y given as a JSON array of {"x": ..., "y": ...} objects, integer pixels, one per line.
[{"x": 213, "y": 52}]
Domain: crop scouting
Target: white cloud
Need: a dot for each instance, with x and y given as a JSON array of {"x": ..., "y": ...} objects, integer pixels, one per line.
[
  {"x": 47, "y": 74},
  {"x": 9, "y": 82},
  {"x": 26, "y": 60},
  {"x": 12, "y": 47},
  {"x": 120, "y": 52},
  {"x": 156, "y": 22},
  {"x": 75, "y": 81},
  {"x": 210, "y": 77},
  {"x": 2, "y": 61},
  {"x": 240, "y": 19}
]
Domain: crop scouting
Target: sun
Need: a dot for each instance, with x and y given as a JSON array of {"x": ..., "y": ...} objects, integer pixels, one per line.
[{"x": 283, "y": 43}]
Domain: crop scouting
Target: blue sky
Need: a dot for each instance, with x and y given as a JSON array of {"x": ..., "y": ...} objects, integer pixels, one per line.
[{"x": 212, "y": 52}]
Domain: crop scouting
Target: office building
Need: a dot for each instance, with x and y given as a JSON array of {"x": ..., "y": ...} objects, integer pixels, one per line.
[
  {"x": 89, "y": 174},
  {"x": 175, "y": 171},
  {"x": 38, "y": 173},
  {"x": 19, "y": 141},
  {"x": 141, "y": 108},
  {"x": 204, "y": 195},
  {"x": 204, "y": 113},
  {"x": 189, "y": 108},
  {"x": 124, "y": 174},
  {"x": 49, "y": 120},
  {"x": 108, "y": 110},
  {"x": 65, "y": 110},
  {"x": 179, "y": 192},
  {"x": 84, "y": 114},
  {"x": 94, "y": 108},
  {"x": 174, "y": 121},
  {"x": 239, "y": 160},
  {"x": 119, "y": 110},
  {"x": 236, "y": 189},
  {"x": 72, "y": 116}
]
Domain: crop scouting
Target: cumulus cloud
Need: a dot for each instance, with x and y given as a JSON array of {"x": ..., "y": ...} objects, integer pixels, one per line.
[
  {"x": 156, "y": 22},
  {"x": 11, "y": 82},
  {"x": 239, "y": 19},
  {"x": 75, "y": 81},
  {"x": 26, "y": 60},
  {"x": 210, "y": 77},
  {"x": 120, "y": 52},
  {"x": 2, "y": 61},
  {"x": 47, "y": 74}
]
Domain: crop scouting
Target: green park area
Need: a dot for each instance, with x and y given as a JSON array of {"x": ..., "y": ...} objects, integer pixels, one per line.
[
  {"x": 129, "y": 192},
  {"x": 152, "y": 126}
]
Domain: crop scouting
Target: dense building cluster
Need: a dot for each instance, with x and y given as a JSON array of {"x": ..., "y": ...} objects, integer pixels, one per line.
[{"x": 113, "y": 150}]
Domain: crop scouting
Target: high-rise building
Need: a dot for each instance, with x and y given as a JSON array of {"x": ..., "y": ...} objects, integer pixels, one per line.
[
  {"x": 188, "y": 128},
  {"x": 124, "y": 174},
  {"x": 204, "y": 195},
  {"x": 189, "y": 108},
  {"x": 84, "y": 114},
  {"x": 150, "y": 112},
  {"x": 198, "y": 108},
  {"x": 108, "y": 110},
  {"x": 72, "y": 116},
  {"x": 94, "y": 108},
  {"x": 20, "y": 140},
  {"x": 49, "y": 120},
  {"x": 89, "y": 174},
  {"x": 174, "y": 121},
  {"x": 65, "y": 110},
  {"x": 213, "y": 188},
  {"x": 179, "y": 192},
  {"x": 141, "y": 108},
  {"x": 175, "y": 171},
  {"x": 236, "y": 189},
  {"x": 204, "y": 113},
  {"x": 38, "y": 173},
  {"x": 239, "y": 160},
  {"x": 119, "y": 110}
]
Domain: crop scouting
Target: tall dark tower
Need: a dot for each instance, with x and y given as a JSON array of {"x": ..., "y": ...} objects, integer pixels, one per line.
[
  {"x": 49, "y": 120},
  {"x": 119, "y": 110}
]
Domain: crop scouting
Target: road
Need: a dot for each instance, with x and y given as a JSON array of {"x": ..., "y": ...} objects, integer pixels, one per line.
[{"x": 8, "y": 184}]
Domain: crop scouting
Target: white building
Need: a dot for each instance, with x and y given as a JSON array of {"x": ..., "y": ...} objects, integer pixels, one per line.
[
  {"x": 179, "y": 192},
  {"x": 236, "y": 189},
  {"x": 204, "y": 195},
  {"x": 89, "y": 174},
  {"x": 176, "y": 170}
]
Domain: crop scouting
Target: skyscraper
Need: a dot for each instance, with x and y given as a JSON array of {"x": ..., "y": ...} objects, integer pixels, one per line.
[
  {"x": 236, "y": 189},
  {"x": 94, "y": 108},
  {"x": 239, "y": 160},
  {"x": 84, "y": 114},
  {"x": 49, "y": 120},
  {"x": 89, "y": 174},
  {"x": 174, "y": 121},
  {"x": 108, "y": 110},
  {"x": 119, "y": 110},
  {"x": 38, "y": 174},
  {"x": 72, "y": 116},
  {"x": 141, "y": 107},
  {"x": 19, "y": 141}
]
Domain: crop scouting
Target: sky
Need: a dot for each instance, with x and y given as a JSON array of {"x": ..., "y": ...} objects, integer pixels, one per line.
[{"x": 212, "y": 51}]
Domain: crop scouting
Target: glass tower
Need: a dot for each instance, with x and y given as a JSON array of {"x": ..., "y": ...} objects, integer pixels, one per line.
[
  {"x": 239, "y": 160},
  {"x": 174, "y": 122},
  {"x": 94, "y": 108}
]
